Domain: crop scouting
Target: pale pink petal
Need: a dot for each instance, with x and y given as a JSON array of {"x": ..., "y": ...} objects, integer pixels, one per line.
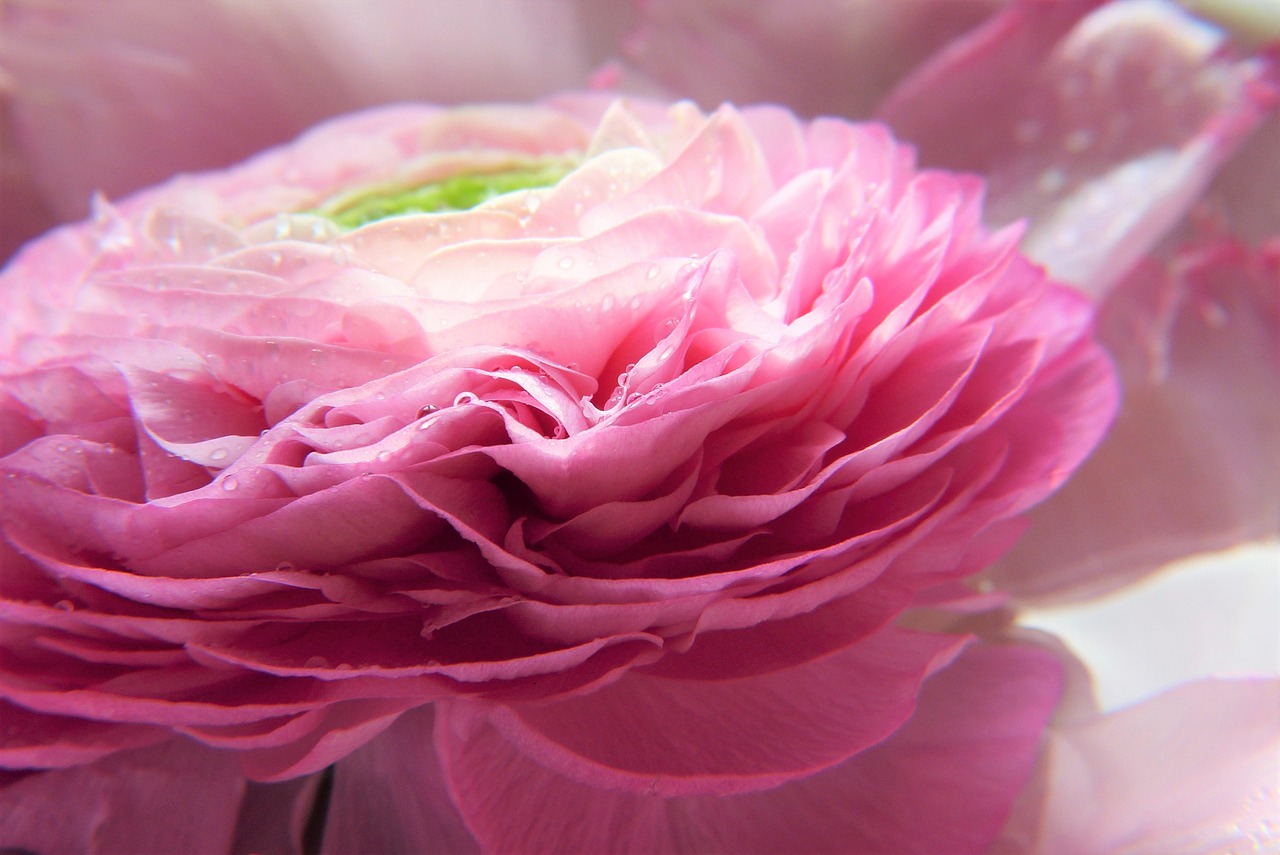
[
  {"x": 833, "y": 57},
  {"x": 175, "y": 797},
  {"x": 1196, "y": 770},
  {"x": 1189, "y": 466},
  {"x": 944, "y": 783},
  {"x": 1102, "y": 134}
]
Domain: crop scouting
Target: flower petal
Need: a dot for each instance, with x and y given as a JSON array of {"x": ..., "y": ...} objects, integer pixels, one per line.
[
  {"x": 833, "y": 57},
  {"x": 1198, "y": 348},
  {"x": 1102, "y": 134},
  {"x": 390, "y": 796},
  {"x": 1193, "y": 770},
  {"x": 959, "y": 761},
  {"x": 175, "y": 797}
]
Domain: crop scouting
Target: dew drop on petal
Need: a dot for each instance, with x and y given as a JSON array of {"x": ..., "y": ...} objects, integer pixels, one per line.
[
  {"x": 1078, "y": 140},
  {"x": 316, "y": 662},
  {"x": 1051, "y": 181},
  {"x": 65, "y": 605},
  {"x": 230, "y": 484}
]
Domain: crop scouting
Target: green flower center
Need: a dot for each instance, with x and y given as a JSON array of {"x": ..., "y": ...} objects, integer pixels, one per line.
[{"x": 454, "y": 193}]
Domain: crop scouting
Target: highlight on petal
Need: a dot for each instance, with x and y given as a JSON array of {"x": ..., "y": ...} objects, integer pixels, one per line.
[
  {"x": 1102, "y": 132},
  {"x": 1193, "y": 770}
]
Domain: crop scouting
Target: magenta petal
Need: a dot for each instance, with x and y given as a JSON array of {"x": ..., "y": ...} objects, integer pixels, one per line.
[
  {"x": 944, "y": 783},
  {"x": 679, "y": 737},
  {"x": 175, "y": 797},
  {"x": 1102, "y": 135},
  {"x": 36, "y": 740},
  {"x": 390, "y": 796}
]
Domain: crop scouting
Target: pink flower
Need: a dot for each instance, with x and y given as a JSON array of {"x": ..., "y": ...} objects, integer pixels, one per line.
[{"x": 565, "y": 466}]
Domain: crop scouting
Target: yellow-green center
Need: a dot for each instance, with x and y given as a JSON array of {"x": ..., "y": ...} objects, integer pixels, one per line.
[{"x": 453, "y": 193}]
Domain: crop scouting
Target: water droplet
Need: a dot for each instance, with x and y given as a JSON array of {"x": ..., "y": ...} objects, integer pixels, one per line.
[
  {"x": 1051, "y": 181},
  {"x": 286, "y": 567},
  {"x": 343, "y": 666},
  {"x": 532, "y": 202},
  {"x": 652, "y": 272},
  {"x": 664, "y": 329},
  {"x": 65, "y": 605},
  {"x": 428, "y": 410},
  {"x": 1027, "y": 130},
  {"x": 316, "y": 662},
  {"x": 607, "y": 304},
  {"x": 465, "y": 398},
  {"x": 1078, "y": 140},
  {"x": 384, "y": 456},
  {"x": 219, "y": 454},
  {"x": 230, "y": 484},
  {"x": 565, "y": 263}
]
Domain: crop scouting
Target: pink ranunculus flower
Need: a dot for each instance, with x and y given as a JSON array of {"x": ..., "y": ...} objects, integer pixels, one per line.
[{"x": 562, "y": 469}]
